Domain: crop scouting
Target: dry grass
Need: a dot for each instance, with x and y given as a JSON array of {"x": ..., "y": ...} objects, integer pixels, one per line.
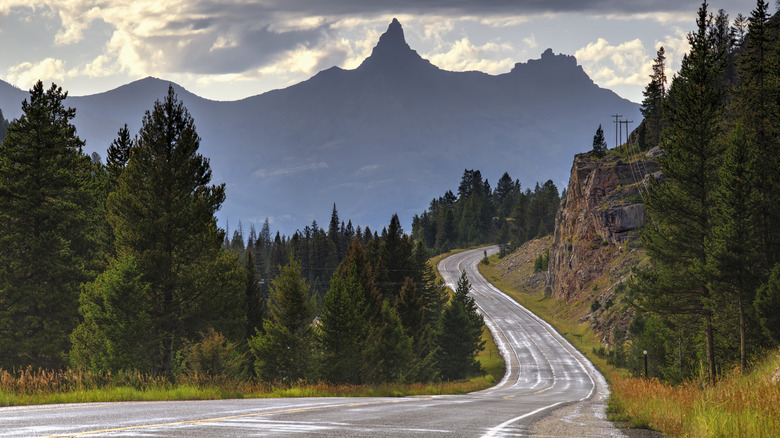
[{"x": 738, "y": 405}]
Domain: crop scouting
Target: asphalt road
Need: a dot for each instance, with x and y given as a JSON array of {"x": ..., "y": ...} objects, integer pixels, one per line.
[{"x": 544, "y": 374}]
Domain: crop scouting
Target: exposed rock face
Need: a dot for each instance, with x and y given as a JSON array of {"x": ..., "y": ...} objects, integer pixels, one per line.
[{"x": 601, "y": 211}]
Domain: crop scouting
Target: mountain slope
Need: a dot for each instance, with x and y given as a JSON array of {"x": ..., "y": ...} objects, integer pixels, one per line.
[{"x": 383, "y": 138}]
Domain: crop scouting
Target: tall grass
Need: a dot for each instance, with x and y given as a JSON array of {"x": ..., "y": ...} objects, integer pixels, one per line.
[{"x": 738, "y": 405}]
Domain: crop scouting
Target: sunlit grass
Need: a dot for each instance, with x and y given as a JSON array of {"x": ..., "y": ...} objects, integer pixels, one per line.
[{"x": 738, "y": 405}]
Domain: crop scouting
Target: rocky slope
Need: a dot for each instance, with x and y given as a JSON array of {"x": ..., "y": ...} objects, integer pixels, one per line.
[{"x": 596, "y": 241}]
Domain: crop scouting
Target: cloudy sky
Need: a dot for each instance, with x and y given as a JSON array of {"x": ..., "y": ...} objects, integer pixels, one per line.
[{"x": 230, "y": 49}]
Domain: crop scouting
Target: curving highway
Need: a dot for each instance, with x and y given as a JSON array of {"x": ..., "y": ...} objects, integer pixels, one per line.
[{"x": 546, "y": 378}]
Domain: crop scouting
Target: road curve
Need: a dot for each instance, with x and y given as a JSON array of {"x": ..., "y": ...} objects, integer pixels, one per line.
[{"x": 544, "y": 374}]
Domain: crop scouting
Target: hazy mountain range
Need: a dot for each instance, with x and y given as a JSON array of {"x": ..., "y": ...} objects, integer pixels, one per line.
[{"x": 384, "y": 138}]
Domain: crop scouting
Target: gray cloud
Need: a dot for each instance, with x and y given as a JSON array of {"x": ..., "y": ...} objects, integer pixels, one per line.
[{"x": 481, "y": 7}]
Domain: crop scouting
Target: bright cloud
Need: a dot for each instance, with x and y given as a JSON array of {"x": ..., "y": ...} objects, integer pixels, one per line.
[
  {"x": 465, "y": 56},
  {"x": 25, "y": 74},
  {"x": 609, "y": 65}
]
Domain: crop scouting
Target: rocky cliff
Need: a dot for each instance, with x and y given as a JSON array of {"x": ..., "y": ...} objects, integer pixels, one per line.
[{"x": 596, "y": 240}]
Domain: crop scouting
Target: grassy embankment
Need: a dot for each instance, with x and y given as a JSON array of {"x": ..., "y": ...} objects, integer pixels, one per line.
[
  {"x": 737, "y": 406},
  {"x": 33, "y": 387}
]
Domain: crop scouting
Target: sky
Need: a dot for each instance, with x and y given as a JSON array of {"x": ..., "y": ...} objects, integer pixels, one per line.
[{"x": 232, "y": 49}]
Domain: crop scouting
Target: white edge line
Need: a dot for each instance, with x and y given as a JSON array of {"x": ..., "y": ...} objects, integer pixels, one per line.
[{"x": 492, "y": 432}]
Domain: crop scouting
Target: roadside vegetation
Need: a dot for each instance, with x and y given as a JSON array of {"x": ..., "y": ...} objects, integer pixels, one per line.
[
  {"x": 737, "y": 405},
  {"x": 36, "y": 387}
]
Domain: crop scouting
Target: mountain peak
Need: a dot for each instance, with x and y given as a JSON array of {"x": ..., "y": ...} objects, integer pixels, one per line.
[
  {"x": 394, "y": 36},
  {"x": 392, "y": 51}
]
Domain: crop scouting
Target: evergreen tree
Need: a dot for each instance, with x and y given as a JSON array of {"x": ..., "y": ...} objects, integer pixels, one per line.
[
  {"x": 162, "y": 213},
  {"x": 118, "y": 155},
  {"x": 283, "y": 352},
  {"x": 734, "y": 247},
  {"x": 460, "y": 336},
  {"x": 46, "y": 219},
  {"x": 3, "y": 126},
  {"x": 344, "y": 328},
  {"x": 652, "y": 104},
  {"x": 680, "y": 207},
  {"x": 254, "y": 297},
  {"x": 115, "y": 331},
  {"x": 599, "y": 144},
  {"x": 389, "y": 348},
  {"x": 768, "y": 304},
  {"x": 758, "y": 105}
]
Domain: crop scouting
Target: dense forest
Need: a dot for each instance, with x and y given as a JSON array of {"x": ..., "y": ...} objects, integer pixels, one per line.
[
  {"x": 121, "y": 266},
  {"x": 711, "y": 298},
  {"x": 507, "y": 215}
]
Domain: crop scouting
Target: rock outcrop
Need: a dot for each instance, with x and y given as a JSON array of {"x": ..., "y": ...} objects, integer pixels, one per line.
[{"x": 599, "y": 218}]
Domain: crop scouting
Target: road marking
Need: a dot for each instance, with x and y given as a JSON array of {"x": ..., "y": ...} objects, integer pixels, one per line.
[
  {"x": 230, "y": 417},
  {"x": 492, "y": 432}
]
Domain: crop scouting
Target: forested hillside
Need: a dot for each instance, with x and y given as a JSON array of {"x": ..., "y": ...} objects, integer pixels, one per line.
[
  {"x": 710, "y": 298},
  {"x": 121, "y": 267},
  {"x": 508, "y": 215}
]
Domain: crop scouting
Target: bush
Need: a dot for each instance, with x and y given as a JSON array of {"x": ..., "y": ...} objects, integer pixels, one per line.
[
  {"x": 542, "y": 262},
  {"x": 213, "y": 355}
]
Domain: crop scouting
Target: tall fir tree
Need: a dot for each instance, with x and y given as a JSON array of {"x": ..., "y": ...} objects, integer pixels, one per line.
[
  {"x": 344, "y": 329},
  {"x": 757, "y": 103},
  {"x": 733, "y": 245},
  {"x": 283, "y": 352},
  {"x": 680, "y": 206},
  {"x": 599, "y": 143},
  {"x": 460, "y": 336},
  {"x": 46, "y": 222},
  {"x": 162, "y": 213},
  {"x": 652, "y": 104}
]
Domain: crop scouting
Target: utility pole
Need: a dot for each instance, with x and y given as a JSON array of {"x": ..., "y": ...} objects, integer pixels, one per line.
[
  {"x": 626, "y": 122},
  {"x": 617, "y": 124}
]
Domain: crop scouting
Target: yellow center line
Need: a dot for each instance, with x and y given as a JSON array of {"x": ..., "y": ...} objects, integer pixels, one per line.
[
  {"x": 507, "y": 397},
  {"x": 230, "y": 417}
]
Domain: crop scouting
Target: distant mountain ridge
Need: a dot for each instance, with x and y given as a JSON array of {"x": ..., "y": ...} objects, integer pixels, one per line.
[{"x": 383, "y": 138}]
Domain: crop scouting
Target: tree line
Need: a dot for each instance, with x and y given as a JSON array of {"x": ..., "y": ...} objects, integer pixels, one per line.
[
  {"x": 121, "y": 266},
  {"x": 508, "y": 215},
  {"x": 711, "y": 298}
]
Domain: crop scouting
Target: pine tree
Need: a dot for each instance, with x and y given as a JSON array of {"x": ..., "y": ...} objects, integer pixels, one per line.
[
  {"x": 46, "y": 219},
  {"x": 767, "y": 304},
  {"x": 118, "y": 155},
  {"x": 253, "y": 294},
  {"x": 733, "y": 246},
  {"x": 115, "y": 331},
  {"x": 3, "y": 126},
  {"x": 390, "y": 354},
  {"x": 680, "y": 207},
  {"x": 162, "y": 213},
  {"x": 283, "y": 352},
  {"x": 344, "y": 329},
  {"x": 652, "y": 104},
  {"x": 599, "y": 144},
  {"x": 460, "y": 336},
  {"x": 760, "y": 116}
]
